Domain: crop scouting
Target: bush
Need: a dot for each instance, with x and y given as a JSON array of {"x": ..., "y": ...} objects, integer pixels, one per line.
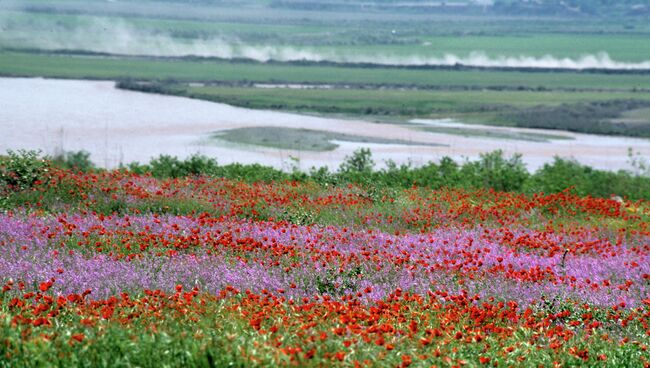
[
  {"x": 322, "y": 176},
  {"x": 360, "y": 162},
  {"x": 491, "y": 171},
  {"x": 23, "y": 169},
  {"x": 584, "y": 180},
  {"x": 165, "y": 166},
  {"x": 496, "y": 172},
  {"x": 252, "y": 173},
  {"x": 74, "y": 160}
]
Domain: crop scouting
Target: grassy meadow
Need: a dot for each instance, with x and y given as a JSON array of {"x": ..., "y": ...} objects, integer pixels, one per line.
[
  {"x": 28, "y": 64},
  {"x": 195, "y": 264}
]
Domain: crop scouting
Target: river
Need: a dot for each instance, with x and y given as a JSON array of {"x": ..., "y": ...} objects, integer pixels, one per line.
[{"x": 118, "y": 127}]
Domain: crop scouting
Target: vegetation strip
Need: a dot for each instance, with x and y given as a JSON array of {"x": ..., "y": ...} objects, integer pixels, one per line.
[
  {"x": 117, "y": 268},
  {"x": 300, "y": 139}
]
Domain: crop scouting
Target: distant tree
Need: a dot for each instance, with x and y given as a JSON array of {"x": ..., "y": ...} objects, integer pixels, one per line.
[{"x": 360, "y": 162}]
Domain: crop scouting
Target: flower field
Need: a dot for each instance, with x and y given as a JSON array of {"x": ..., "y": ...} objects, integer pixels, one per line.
[{"x": 118, "y": 269}]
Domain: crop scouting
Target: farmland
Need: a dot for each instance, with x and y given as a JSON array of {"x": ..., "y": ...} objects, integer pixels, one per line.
[{"x": 96, "y": 67}]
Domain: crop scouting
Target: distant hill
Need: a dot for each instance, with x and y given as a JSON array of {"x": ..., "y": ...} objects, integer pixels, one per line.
[
  {"x": 568, "y": 8},
  {"x": 573, "y": 7}
]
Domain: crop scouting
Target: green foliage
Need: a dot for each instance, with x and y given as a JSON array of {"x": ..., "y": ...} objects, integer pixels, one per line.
[
  {"x": 491, "y": 171},
  {"x": 137, "y": 346},
  {"x": 22, "y": 169},
  {"x": 358, "y": 167},
  {"x": 165, "y": 166},
  {"x": 494, "y": 171},
  {"x": 322, "y": 175},
  {"x": 337, "y": 283},
  {"x": 593, "y": 117},
  {"x": 79, "y": 160},
  {"x": 299, "y": 216},
  {"x": 252, "y": 173},
  {"x": 584, "y": 180}
]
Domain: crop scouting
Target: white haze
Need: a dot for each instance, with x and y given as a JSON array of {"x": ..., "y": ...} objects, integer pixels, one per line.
[{"x": 117, "y": 37}]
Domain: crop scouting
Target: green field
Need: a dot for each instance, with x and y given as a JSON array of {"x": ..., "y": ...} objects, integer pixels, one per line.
[
  {"x": 589, "y": 112},
  {"x": 397, "y": 38},
  {"x": 399, "y": 101},
  {"x": 496, "y": 134},
  {"x": 634, "y": 47},
  {"x": 298, "y": 139},
  {"x": 98, "y": 67}
]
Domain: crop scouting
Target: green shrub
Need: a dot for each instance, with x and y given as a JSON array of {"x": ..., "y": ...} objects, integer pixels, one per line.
[
  {"x": 491, "y": 171},
  {"x": 584, "y": 180},
  {"x": 23, "y": 169},
  {"x": 79, "y": 160},
  {"x": 357, "y": 167},
  {"x": 496, "y": 172},
  {"x": 322, "y": 176},
  {"x": 252, "y": 173},
  {"x": 360, "y": 162},
  {"x": 165, "y": 166},
  {"x": 199, "y": 165}
]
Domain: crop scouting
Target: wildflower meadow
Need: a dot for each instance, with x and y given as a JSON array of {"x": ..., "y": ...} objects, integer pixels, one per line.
[{"x": 120, "y": 269}]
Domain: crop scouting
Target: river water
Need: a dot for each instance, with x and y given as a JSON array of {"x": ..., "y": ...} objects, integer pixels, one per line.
[{"x": 118, "y": 126}]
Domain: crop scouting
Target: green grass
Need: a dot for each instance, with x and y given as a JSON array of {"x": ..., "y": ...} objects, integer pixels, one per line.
[
  {"x": 20, "y": 22},
  {"x": 298, "y": 139},
  {"x": 94, "y": 67},
  {"x": 496, "y": 134},
  {"x": 586, "y": 112},
  {"x": 638, "y": 116},
  {"x": 395, "y": 101},
  {"x": 329, "y": 37},
  {"x": 631, "y": 48}
]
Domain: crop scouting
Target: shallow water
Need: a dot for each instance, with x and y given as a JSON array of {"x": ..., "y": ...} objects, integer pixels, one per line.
[{"x": 118, "y": 126}]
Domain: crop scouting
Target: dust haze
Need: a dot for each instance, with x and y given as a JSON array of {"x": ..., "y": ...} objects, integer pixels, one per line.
[{"x": 121, "y": 38}]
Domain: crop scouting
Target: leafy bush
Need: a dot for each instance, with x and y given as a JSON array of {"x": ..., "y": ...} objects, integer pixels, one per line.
[
  {"x": 491, "y": 171},
  {"x": 360, "y": 162},
  {"x": 494, "y": 171},
  {"x": 23, "y": 169},
  {"x": 584, "y": 180},
  {"x": 357, "y": 167},
  {"x": 165, "y": 166},
  {"x": 79, "y": 160},
  {"x": 322, "y": 175},
  {"x": 252, "y": 173}
]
